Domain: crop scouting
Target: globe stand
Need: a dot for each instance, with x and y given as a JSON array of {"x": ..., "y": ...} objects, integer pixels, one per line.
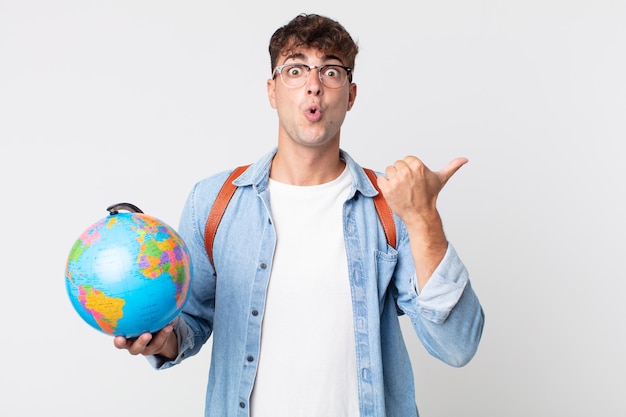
[{"x": 114, "y": 209}]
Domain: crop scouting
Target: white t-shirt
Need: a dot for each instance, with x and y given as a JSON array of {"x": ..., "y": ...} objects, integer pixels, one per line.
[{"x": 307, "y": 363}]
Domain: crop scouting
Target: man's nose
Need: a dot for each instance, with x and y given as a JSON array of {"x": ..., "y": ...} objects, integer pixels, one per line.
[{"x": 314, "y": 83}]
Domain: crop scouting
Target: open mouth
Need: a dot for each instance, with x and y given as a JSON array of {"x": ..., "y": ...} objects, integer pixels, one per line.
[{"x": 313, "y": 113}]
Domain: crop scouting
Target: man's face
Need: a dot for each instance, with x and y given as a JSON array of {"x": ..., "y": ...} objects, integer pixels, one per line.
[{"x": 312, "y": 114}]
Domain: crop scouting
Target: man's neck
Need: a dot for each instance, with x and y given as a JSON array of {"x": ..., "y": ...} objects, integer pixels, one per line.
[{"x": 308, "y": 166}]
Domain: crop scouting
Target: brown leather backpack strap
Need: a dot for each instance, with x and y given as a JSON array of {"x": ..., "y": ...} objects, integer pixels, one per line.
[
  {"x": 384, "y": 212},
  {"x": 218, "y": 208}
]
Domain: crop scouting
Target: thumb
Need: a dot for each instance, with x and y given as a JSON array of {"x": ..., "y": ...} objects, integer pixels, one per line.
[{"x": 449, "y": 170}]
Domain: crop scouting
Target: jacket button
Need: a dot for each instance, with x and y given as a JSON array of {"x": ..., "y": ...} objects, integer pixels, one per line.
[
  {"x": 250, "y": 358},
  {"x": 263, "y": 265},
  {"x": 242, "y": 405},
  {"x": 255, "y": 313}
]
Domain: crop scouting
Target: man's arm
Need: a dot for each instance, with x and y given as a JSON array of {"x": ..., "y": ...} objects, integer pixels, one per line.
[{"x": 411, "y": 190}]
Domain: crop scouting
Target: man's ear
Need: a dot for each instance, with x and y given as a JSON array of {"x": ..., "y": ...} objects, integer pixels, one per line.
[
  {"x": 351, "y": 95},
  {"x": 271, "y": 92}
]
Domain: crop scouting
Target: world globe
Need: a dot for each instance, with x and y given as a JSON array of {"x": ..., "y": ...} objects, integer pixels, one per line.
[{"x": 128, "y": 273}]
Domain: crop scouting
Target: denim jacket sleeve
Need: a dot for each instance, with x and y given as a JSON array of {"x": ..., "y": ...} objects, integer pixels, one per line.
[
  {"x": 194, "y": 326},
  {"x": 446, "y": 314}
]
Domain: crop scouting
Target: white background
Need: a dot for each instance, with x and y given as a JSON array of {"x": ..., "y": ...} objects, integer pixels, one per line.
[{"x": 110, "y": 101}]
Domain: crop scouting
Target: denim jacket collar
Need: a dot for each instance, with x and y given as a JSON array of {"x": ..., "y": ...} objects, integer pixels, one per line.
[{"x": 257, "y": 174}]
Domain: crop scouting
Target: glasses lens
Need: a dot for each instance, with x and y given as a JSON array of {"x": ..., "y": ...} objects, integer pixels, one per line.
[
  {"x": 333, "y": 76},
  {"x": 294, "y": 75}
]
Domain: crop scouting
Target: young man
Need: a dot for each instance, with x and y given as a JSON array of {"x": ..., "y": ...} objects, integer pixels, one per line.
[{"x": 305, "y": 292}]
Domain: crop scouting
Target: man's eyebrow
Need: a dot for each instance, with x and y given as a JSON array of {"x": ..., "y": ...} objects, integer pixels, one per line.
[
  {"x": 301, "y": 56},
  {"x": 295, "y": 55},
  {"x": 327, "y": 57}
]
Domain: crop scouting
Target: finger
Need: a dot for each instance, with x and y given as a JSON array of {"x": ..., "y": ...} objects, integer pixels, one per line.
[
  {"x": 160, "y": 338},
  {"x": 140, "y": 344},
  {"x": 383, "y": 182},
  {"x": 410, "y": 166},
  {"x": 120, "y": 342},
  {"x": 449, "y": 170},
  {"x": 408, "y": 162},
  {"x": 402, "y": 167},
  {"x": 390, "y": 170}
]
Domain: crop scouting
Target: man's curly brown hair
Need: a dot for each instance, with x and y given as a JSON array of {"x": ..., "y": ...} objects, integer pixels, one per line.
[{"x": 312, "y": 30}]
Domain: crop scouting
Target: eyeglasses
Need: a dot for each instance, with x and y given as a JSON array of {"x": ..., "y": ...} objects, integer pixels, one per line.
[{"x": 331, "y": 75}]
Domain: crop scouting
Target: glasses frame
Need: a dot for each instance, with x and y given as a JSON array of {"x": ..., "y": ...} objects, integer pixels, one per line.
[{"x": 320, "y": 68}]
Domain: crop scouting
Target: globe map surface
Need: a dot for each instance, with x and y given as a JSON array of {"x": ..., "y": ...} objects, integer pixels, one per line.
[{"x": 127, "y": 274}]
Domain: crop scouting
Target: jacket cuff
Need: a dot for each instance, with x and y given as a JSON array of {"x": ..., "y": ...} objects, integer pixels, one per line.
[{"x": 444, "y": 288}]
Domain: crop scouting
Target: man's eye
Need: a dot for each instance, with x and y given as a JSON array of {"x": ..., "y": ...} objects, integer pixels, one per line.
[
  {"x": 331, "y": 72},
  {"x": 294, "y": 71}
]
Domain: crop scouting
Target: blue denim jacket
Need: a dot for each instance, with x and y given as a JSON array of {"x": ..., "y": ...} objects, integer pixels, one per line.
[{"x": 229, "y": 305}]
